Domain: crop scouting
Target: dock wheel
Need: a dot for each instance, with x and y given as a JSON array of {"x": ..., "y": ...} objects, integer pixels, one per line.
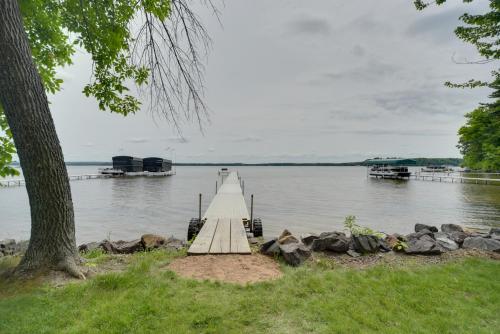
[
  {"x": 257, "y": 227},
  {"x": 194, "y": 228}
]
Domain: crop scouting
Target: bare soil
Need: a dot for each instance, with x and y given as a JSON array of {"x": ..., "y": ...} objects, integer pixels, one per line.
[{"x": 240, "y": 269}]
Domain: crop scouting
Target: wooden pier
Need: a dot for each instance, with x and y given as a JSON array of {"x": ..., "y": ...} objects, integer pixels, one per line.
[
  {"x": 447, "y": 177},
  {"x": 22, "y": 182},
  {"x": 223, "y": 231}
]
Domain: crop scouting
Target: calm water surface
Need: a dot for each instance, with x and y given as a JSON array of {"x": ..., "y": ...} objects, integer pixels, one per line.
[{"x": 302, "y": 199}]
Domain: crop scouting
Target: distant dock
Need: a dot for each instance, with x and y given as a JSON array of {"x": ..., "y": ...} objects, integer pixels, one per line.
[{"x": 448, "y": 177}]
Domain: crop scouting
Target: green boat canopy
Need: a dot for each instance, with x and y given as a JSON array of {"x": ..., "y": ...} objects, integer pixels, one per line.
[{"x": 390, "y": 162}]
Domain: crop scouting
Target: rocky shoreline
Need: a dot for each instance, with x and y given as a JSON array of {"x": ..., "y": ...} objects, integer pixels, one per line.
[{"x": 426, "y": 240}]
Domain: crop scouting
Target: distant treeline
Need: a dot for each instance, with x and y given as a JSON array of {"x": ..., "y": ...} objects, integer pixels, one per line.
[{"x": 420, "y": 162}]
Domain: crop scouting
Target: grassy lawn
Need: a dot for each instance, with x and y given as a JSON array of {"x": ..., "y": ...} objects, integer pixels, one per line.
[{"x": 457, "y": 297}]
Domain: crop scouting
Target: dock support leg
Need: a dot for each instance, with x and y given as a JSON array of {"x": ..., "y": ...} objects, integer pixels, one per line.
[
  {"x": 199, "y": 207},
  {"x": 251, "y": 210},
  {"x": 216, "y": 187}
]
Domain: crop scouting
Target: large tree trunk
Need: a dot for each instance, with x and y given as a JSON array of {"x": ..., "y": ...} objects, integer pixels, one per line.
[{"x": 22, "y": 96}]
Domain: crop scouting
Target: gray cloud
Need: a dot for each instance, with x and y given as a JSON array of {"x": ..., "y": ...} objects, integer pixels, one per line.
[
  {"x": 137, "y": 140},
  {"x": 247, "y": 139},
  {"x": 309, "y": 26},
  {"x": 178, "y": 140},
  {"x": 438, "y": 26}
]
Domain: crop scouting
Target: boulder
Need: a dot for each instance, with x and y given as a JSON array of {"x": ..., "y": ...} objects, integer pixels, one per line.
[
  {"x": 420, "y": 227},
  {"x": 173, "y": 243},
  {"x": 285, "y": 233},
  {"x": 151, "y": 241},
  {"x": 419, "y": 234},
  {"x": 107, "y": 246},
  {"x": 333, "y": 241},
  {"x": 445, "y": 242},
  {"x": 295, "y": 253},
  {"x": 309, "y": 238},
  {"x": 365, "y": 243},
  {"x": 289, "y": 239},
  {"x": 128, "y": 247},
  {"x": 495, "y": 233},
  {"x": 458, "y": 237},
  {"x": 270, "y": 247},
  {"x": 486, "y": 244},
  {"x": 6, "y": 243},
  {"x": 424, "y": 245},
  {"x": 84, "y": 248},
  {"x": 391, "y": 240},
  {"x": 353, "y": 253},
  {"x": 383, "y": 246},
  {"x": 449, "y": 228}
]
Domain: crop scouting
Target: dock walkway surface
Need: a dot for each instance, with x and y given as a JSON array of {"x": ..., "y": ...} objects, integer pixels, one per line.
[{"x": 223, "y": 231}]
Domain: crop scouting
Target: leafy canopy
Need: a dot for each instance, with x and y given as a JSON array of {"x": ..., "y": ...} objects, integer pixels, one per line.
[
  {"x": 480, "y": 137},
  {"x": 147, "y": 43}
]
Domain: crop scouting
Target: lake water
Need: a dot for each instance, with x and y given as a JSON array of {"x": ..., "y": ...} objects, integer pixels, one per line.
[{"x": 302, "y": 199}]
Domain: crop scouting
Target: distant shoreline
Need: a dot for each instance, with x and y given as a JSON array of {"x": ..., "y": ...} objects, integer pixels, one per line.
[{"x": 420, "y": 162}]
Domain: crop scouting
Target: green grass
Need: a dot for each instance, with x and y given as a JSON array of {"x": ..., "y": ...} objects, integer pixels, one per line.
[{"x": 458, "y": 297}]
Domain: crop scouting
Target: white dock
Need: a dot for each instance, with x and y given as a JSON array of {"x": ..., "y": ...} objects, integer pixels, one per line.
[{"x": 223, "y": 231}]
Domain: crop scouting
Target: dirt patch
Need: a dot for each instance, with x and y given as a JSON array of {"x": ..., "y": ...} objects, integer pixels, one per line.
[
  {"x": 240, "y": 269},
  {"x": 394, "y": 259}
]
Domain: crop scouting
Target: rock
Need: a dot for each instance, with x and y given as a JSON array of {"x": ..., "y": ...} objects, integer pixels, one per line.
[
  {"x": 353, "y": 253},
  {"x": 332, "y": 241},
  {"x": 107, "y": 246},
  {"x": 495, "y": 233},
  {"x": 445, "y": 242},
  {"x": 449, "y": 228},
  {"x": 84, "y": 248},
  {"x": 486, "y": 244},
  {"x": 173, "y": 243},
  {"x": 419, "y": 234},
  {"x": 289, "y": 239},
  {"x": 391, "y": 240},
  {"x": 295, "y": 253},
  {"x": 270, "y": 247},
  {"x": 420, "y": 227},
  {"x": 128, "y": 247},
  {"x": 423, "y": 245},
  {"x": 122, "y": 247},
  {"x": 383, "y": 246},
  {"x": 309, "y": 238},
  {"x": 285, "y": 233},
  {"x": 253, "y": 241},
  {"x": 152, "y": 241},
  {"x": 6, "y": 243},
  {"x": 458, "y": 237},
  {"x": 20, "y": 247},
  {"x": 365, "y": 243}
]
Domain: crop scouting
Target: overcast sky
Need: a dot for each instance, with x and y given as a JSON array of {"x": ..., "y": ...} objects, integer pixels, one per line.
[{"x": 302, "y": 81}]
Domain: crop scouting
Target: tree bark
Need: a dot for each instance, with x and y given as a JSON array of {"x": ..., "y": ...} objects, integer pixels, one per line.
[{"x": 52, "y": 243}]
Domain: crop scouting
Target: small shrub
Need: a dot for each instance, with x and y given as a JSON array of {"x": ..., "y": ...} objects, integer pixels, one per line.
[{"x": 355, "y": 229}]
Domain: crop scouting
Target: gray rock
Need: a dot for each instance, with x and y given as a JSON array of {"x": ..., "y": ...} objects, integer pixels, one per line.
[
  {"x": 84, "y": 248},
  {"x": 424, "y": 245},
  {"x": 445, "y": 242},
  {"x": 449, "y": 228},
  {"x": 365, "y": 243},
  {"x": 419, "y": 234},
  {"x": 486, "y": 244},
  {"x": 420, "y": 227},
  {"x": 270, "y": 247},
  {"x": 353, "y": 253},
  {"x": 173, "y": 243},
  {"x": 332, "y": 241},
  {"x": 495, "y": 233},
  {"x": 6, "y": 243},
  {"x": 309, "y": 238},
  {"x": 295, "y": 253},
  {"x": 458, "y": 237},
  {"x": 122, "y": 247}
]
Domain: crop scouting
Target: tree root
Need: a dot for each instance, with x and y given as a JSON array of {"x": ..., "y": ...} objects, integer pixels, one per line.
[{"x": 69, "y": 265}]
